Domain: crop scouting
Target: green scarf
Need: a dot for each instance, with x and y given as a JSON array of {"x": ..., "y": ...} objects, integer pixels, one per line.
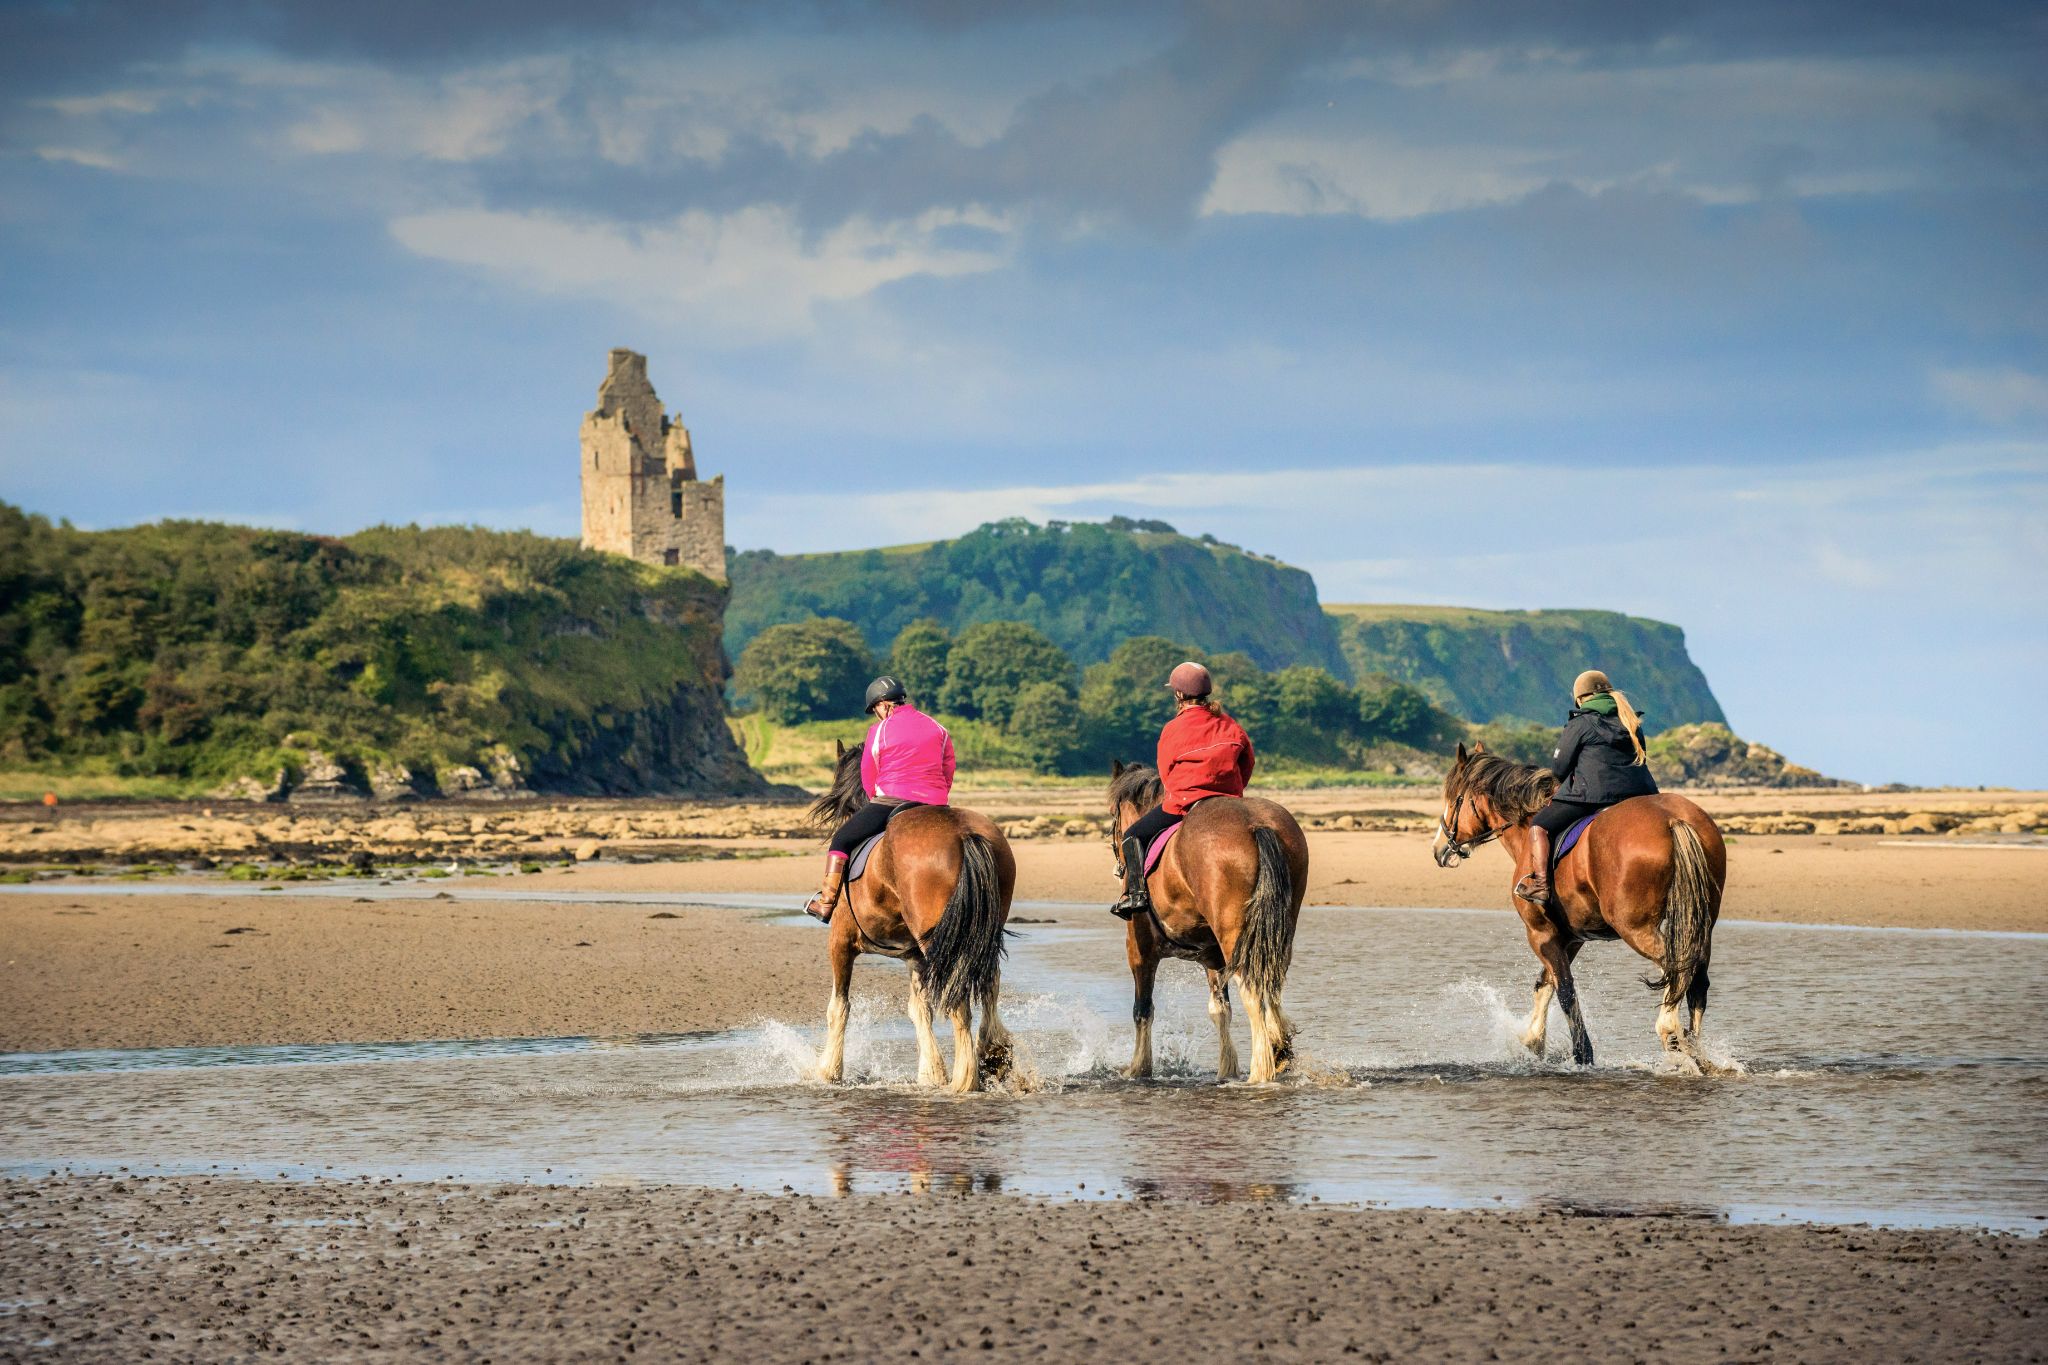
[{"x": 1603, "y": 702}]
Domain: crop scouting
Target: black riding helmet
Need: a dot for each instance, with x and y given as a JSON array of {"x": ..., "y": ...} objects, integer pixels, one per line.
[{"x": 884, "y": 688}]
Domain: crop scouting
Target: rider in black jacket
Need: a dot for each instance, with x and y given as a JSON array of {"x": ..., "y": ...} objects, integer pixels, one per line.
[{"x": 1599, "y": 761}]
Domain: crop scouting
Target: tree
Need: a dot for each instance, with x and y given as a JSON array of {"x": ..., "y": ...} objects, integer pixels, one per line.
[
  {"x": 1309, "y": 697},
  {"x": 1045, "y": 721},
  {"x": 806, "y": 670},
  {"x": 992, "y": 662},
  {"x": 1124, "y": 700},
  {"x": 1402, "y": 714},
  {"x": 919, "y": 658}
]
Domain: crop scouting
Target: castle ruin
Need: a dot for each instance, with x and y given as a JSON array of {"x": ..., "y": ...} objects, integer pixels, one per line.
[{"x": 641, "y": 495}]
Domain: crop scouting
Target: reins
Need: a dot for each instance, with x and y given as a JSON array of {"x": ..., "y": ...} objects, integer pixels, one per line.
[{"x": 1448, "y": 825}]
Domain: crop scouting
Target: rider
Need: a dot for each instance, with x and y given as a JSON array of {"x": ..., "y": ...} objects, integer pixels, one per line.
[
  {"x": 906, "y": 759},
  {"x": 1599, "y": 761},
  {"x": 1202, "y": 753}
]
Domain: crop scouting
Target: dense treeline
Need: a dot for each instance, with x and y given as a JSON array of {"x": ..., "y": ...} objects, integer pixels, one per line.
[
  {"x": 1087, "y": 586},
  {"x": 206, "y": 652},
  {"x": 1067, "y": 719}
]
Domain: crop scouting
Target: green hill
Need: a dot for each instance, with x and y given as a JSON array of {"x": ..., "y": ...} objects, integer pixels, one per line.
[
  {"x": 1089, "y": 586},
  {"x": 400, "y": 659},
  {"x": 1514, "y": 666}
]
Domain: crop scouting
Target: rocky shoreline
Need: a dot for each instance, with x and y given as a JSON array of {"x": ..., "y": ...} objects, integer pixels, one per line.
[{"x": 204, "y": 835}]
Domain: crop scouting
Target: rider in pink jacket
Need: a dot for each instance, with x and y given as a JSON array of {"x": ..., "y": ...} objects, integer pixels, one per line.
[{"x": 905, "y": 760}]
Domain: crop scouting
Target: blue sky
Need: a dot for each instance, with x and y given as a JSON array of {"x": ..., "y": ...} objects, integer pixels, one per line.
[{"x": 1730, "y": 314}]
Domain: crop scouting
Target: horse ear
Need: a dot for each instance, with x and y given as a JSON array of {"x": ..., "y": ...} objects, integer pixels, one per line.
[
  {"x": 1479, "y": 746},
  {"x": 1461, "y": 751},
  {"x": 1116, "y": 769},
  {"x": 840, "y": 745}
]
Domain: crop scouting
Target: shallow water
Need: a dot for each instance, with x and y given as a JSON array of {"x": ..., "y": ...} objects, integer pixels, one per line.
[{"x": 1892, "y": 1076}]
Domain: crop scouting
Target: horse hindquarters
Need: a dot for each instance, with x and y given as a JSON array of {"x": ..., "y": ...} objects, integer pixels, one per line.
[
  {"x": 1686, "y": 928},
  {"x": 1260, "y": 957},
  {"x": 963, "y": 955}
]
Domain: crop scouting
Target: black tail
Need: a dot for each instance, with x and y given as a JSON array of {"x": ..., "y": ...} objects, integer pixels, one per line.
[
  {"x": 1266, "y": 944},
  {"x": 963, "y": 958},
  {"x": 1688, "y": 919}
]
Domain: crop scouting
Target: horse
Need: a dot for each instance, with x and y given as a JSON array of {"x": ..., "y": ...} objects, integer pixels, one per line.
[
  {"x": 1649, "y": 871},
  {"x": 1226, "y": 894},
  {"x": 935, "y": 895}
]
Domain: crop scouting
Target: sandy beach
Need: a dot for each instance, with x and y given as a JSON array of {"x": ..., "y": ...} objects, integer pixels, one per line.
[{"x": 236, "y": 1269}]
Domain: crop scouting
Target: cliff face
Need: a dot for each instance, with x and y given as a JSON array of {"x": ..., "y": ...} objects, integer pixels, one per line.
[
  {"x": 1089, "y": 587},
  {"x": 399, "y": 661},
  {"x": 1512, "y": 666}
]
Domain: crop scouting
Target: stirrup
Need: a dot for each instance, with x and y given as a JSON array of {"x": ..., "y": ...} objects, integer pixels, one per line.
[
  {"x": 816, "y": 908},
  {"x": 1128, "y": 906},
  {"x": 1526, "y": 888}
]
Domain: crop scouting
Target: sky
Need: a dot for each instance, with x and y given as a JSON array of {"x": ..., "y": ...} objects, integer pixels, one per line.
[{"x": 1729, "y": 314}]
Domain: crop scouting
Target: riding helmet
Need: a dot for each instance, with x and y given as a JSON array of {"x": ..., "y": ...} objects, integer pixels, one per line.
[
  {"x": 884, "y": 688},
  {"x": 1190, "y": 680}
]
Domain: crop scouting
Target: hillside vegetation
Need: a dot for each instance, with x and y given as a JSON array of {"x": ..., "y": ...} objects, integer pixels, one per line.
[
  {"x": 398, "y": 659},
  {"x": 1087, "y": 586},
  {"x": 1513, "y": 667},
  {"x": 1021, "y": 702}
]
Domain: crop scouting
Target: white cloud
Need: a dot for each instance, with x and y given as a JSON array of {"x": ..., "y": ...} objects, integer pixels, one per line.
[
  {"x": 83, "y": 156},
  {"x": 1999, "y": 396},
  {"x": 751, "y": 275},
  {"x": 1372, "y": 177}
]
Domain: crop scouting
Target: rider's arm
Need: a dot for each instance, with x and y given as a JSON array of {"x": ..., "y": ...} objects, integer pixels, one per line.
[
  {"x": 1246, "y": 760},
  {"x": 1567, "y": 753},
  {"x": 949, "y": 760},
  {"x": 867, "y": 758}
]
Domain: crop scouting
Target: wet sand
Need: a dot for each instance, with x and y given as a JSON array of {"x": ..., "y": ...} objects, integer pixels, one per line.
[
  {"x": 145, "y": 971},
  {"x": 197, "y": 1269},
  {"x": 1926, "y": 883}
]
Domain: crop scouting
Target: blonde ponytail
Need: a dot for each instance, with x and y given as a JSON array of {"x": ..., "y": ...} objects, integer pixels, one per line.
[{"x": 1634, "y": 722}]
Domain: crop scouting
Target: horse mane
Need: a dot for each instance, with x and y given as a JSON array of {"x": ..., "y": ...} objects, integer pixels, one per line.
[
  {"x": 1137, "y": 784},
  {"x": 845, "y": 795},
  {"x": 1515, "y": 789}
]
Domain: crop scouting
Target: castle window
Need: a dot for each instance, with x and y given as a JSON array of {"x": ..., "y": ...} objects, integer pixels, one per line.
[
  {"x": 675, "y": 503},
  {"x": 672, "y": 557}
]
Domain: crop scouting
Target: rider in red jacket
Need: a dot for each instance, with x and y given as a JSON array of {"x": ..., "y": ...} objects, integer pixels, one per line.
[{"x": 1202, "y": 753}]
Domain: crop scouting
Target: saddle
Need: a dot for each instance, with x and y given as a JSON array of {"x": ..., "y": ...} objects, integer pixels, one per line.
[
  {"x": 1157, "y": 849},
  {"x": 858, "y": 863},
  {"x": 1569, "y": 840}
]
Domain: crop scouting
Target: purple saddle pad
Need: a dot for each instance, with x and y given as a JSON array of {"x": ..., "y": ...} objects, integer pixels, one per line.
[
  {"x": 1571, "y": 838},
  {"x": 1158, "y": 848},
  {"x": 858, "y": 863}
]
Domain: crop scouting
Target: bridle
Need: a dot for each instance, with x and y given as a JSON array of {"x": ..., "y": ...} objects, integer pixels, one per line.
[{"x": 1447, "y": 825}]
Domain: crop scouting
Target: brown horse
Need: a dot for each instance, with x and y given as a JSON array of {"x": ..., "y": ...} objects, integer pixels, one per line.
[
  {"x": 936, "y": 895},
  {"x": 1226, "y": 894},
  {"x": 1648, "y": 871}
]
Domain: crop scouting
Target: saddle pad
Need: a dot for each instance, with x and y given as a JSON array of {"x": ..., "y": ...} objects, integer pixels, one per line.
[
  {"x": 1571, "y": 837},
  {"x": 1158, "y": 849},
  {"x": 858, "y": 863}
]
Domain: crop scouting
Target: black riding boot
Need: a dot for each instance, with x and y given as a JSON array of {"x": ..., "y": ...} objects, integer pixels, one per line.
[
  {"x": 1136, "y": 896},
  {"x": 1535, "y": 883}
]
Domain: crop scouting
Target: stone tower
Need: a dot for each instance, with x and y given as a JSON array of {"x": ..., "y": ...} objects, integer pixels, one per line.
[{"x": 641, "y": 496}]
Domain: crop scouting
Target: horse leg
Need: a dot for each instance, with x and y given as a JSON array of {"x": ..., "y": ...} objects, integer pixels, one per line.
[
  {"x": 832, "y": 1059},
  {"x": 1219, "y": 1012},
  {"x": 1144, "y": 968},
  {"x": 1538, "y": 1028},
  {"x": 929, "y": 1069},
  {"x": 966, "y": 1061},
  {"x": 1256, "y": 1015},
  {"x": 993, "y": 1043},
  {"x": 1556, "y": 953}
]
